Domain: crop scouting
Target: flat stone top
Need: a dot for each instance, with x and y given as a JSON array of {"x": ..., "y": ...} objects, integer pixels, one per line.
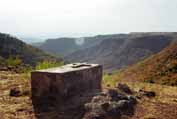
[{"x": 69, "y": 68}]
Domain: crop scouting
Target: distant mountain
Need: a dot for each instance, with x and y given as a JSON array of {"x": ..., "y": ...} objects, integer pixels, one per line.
[
  {"x": 30, "y": 40},
  {"x": 119, "y": 52},
  {"x": 12, "y": 47},
  {"x": 66, "y": 46},
  {"x": 159, "y": 68}
]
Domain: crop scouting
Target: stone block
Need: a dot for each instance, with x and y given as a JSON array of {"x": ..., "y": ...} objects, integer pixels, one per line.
[{"x": 65, "y": 88}]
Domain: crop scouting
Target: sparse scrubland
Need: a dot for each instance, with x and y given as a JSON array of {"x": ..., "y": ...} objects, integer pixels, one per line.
[
  {"x": 160, "y": 68},
  {"x": 153, "y": 82},
  {"x": 162, "y": 106}
]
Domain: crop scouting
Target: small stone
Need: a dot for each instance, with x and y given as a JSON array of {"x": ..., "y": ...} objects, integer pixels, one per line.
[
  {"x": 97, "y": 117},
  {"x": 132, "y": 99},
  {"x": 124, "y": 88},
  {"x": 112, "y": 93},
  {"x": 147, "y": 93},
  {"x": 105, "y": 106},
  {"x": 122, "y": 104},
  {"x": 16, "y": 92},
  {"x": 114, "y": 109},
  {"x": 88, "y": 106},
  {"x": 102, "y": 94},
  {"x": 97, "y": 99}
]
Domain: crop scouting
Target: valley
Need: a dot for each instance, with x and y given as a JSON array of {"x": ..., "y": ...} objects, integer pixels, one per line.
[{"x": 112, "y": 51}]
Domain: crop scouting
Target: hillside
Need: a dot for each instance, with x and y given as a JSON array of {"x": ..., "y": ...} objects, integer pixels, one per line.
[
  {"x": 116, "y": 53},
  {"x": 66, "y": 46},
  {"x": 13, "y": 47},
  {"x": 160, "y": 68}
]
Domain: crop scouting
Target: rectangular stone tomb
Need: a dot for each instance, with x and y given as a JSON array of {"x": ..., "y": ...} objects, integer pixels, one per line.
[{"x": 65, "y": 85}]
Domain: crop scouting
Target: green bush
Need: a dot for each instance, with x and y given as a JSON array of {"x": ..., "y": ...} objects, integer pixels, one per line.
[
  {"x": 48, "y": 64},
  {"x": 109, "y": 81},
  {"x": 13, "y": 61}
]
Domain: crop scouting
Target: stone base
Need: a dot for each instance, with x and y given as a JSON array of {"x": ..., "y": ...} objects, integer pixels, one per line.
[{"x": 65, "y": 90}]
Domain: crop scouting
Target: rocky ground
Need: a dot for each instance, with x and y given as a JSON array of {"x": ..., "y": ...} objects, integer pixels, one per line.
[
  {"x": 162, "y": 105},
  {"x": 153, "y": 101},
  {"x": 111, "y": 104}
]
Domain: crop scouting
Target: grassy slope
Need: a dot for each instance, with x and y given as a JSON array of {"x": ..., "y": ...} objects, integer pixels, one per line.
[{"x": 160, "y": 68}]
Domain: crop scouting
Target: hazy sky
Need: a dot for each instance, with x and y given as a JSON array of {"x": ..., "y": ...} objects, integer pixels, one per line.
[{"x": 58, "y": 18}]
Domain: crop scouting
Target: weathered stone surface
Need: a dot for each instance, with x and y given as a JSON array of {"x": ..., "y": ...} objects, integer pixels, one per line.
[{"x": 65, "y": 89}]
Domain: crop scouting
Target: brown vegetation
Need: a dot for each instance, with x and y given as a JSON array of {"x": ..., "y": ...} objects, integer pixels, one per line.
[{"x": 160, "y": 68}]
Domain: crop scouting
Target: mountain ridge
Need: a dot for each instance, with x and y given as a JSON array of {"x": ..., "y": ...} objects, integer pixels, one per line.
[
  {"x": 120, "y": 52},
  {"x": 66, "y": 45}
]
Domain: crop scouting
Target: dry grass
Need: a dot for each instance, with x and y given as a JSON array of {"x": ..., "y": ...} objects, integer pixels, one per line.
[
  {"x": 163, "y": 106},
  {"x": 15, "y": 107},
  {"x": 160, "y": 68}
]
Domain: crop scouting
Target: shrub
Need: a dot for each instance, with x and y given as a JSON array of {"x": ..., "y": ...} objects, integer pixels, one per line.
[
  {"x": 14, "y": 61},
  {"x": 109, "y": 81},
  {"x": 48, "y": 64}
]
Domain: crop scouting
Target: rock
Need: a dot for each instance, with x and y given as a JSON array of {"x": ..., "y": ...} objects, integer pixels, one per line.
[
  {"x": 132, "y": 99},
  {"x": 102, "y": 94},
  {"x": 16, "y": 92},
  {"x": 88, "y": 106},
  {"x": 147, "y": 93},
  {"x": 105, "y": 106},
  {"x": 115, "y": 95},
  {"x": 10, "y": 68},
  {"x": 112, "y": 105},
  {"x": 114, "y": 110},
  {"x": 112, "y": 93},
  {"x": 93, "y": 116},
  {"x": 123, "y": 104},
  {"x": 97, "y": 99},
  {"x": 126, "y": 107},
  {"x": 124, "y": 88},
  {"x": 3, "y": 68}
]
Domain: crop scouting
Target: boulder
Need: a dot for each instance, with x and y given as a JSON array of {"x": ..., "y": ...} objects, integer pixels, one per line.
[
  {"x": 113, "y": 104},
  {"x": 116, "y": 95},
  {"x": 124, "y": 88},
  {"x": 148, "y": 94}
]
